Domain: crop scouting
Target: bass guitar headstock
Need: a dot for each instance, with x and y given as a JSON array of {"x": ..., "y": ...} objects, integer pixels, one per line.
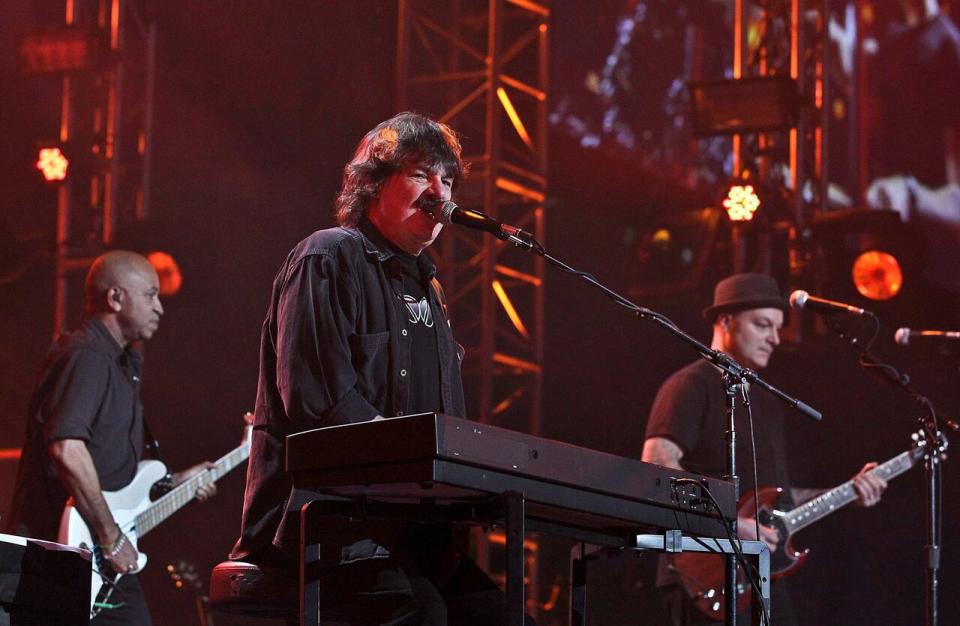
[{"x": 247, "y": 429}]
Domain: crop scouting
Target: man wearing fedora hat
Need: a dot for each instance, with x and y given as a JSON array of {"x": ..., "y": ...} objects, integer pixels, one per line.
[{"x": 687, "y": 424}]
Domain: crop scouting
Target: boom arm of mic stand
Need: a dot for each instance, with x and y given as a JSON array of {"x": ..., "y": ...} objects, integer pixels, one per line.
[
  {"x": 891, "y": 375},
  {"x": 719, "y": 359}
]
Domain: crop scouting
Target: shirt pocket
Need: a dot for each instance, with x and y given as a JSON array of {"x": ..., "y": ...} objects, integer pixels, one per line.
[{"x": 370, "y": 356}]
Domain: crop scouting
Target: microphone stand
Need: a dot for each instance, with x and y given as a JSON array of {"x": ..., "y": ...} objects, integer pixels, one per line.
[
  {"x": 734, "y": 378},
  {"x": 932, "y": 463}
]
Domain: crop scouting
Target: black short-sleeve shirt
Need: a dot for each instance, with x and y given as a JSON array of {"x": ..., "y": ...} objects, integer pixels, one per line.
[
  {"x": 690, "y": 410},
  {"x": 89, "y": 389}
]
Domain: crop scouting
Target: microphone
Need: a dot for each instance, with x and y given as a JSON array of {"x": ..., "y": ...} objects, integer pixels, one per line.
[
  {"x": 448, "y": 212},
  {"x": 903, "y": 335},
  {"x": 800, "y": 299}
]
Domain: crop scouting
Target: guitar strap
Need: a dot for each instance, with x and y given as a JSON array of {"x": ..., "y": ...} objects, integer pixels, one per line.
[{"x": 152, "y": 444}]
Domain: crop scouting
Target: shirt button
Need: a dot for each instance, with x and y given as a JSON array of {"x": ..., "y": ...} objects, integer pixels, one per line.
[
  {"x": 404, "y": 332},
  {"x": 403, "y": 372}
]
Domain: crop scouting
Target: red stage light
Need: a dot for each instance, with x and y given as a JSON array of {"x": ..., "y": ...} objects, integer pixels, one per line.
[
  {"x": 168, "y": 272},
  {"x": 56, "y": 49},
  {"x": 52, "y": 163},
  {"x": 877, "y": 275},
  {"x": 741, "y": 203}
]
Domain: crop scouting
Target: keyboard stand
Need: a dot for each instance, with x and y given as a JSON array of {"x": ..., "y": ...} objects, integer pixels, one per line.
[{"x": 669, "y": 541}]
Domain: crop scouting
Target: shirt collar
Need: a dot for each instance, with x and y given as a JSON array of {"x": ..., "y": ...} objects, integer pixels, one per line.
[
  {"x": 375, "y": 244},
  {"x": 99, "y": 330}
]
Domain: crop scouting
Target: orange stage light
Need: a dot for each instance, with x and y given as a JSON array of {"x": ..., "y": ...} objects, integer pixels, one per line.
[
  {"x": 741, "y": 203},
  {"x": 514, "y": 116},
  {"x": 53, "y": 164},
  {"x": 877, "y": 275},
  {"x": 168, "y": 271},
  {"x": 509, "y": 308}
]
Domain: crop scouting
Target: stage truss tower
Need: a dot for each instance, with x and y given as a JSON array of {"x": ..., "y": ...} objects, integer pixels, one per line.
[
  {"x": 481, "y": 66},
  {"x": 105, "y": 123}
]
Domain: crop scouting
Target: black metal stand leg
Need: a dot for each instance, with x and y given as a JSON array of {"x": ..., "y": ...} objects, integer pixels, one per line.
[
  {"x": 309, "y": 557},
  {"x": 932, "y": 549},
  {"x": 578, "y": 586},
  {"x": 514, "y": 555},
  {"x": 731, "y": 388}
]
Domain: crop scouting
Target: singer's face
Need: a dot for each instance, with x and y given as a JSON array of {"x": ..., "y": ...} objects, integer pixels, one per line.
[
  {"x": 396, "y": 211},
  {"x": 751, "y": 336}
]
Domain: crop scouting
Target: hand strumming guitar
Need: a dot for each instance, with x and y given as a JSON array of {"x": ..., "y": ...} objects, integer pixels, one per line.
[{"x": 747, "y": 529}]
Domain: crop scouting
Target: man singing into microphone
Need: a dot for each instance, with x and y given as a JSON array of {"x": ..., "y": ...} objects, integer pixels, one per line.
[
  {"x": 687, "y": 425},
  {"x": 357, "y": 330}
]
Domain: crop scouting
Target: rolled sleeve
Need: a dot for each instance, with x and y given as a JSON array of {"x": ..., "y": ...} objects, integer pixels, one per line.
[
  {"x": 75, "y": 395},
  {"x": 678, "y": 411}
]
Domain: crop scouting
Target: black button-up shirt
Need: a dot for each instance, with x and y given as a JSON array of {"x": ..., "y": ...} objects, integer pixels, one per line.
[
  {"x": 332, "y": 351},
  {"x": 89, "y": 390}
]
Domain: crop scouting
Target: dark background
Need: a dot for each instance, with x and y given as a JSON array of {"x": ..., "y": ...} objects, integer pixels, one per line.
[{"x": 258, "y": 106}]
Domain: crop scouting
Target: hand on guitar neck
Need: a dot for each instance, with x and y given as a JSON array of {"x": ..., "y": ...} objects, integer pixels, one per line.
[
  {"x": 869, "y": 485},
  {"x": 207, "y": 487}
]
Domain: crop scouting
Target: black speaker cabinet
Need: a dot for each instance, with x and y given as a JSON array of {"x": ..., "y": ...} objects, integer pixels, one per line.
[{"x": 43, "y": 583}]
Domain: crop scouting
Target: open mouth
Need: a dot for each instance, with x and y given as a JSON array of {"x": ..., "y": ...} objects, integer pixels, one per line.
[{"x": 430, "y": 206}]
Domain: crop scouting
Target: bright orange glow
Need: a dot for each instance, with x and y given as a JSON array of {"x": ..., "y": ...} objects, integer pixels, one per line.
[
  {"x": 9, "y": 454},
  {"x": 507, "y": 402},
  {"x": 877, "y": 275},
  {"x": 662, "y": 237},
  {"x": 515, "y": 363},
  {"x": 512, "y": 273},
  {"x": 53, "y": 164},
  {"x": 514, "y": 117},
  {"x": 168, "y": 271},
  {"x": 531, "y": 6},
  {"x": 521, "y": 190},
  {"x": 498, "y": 538},
  {"x": 741, "y": 203},
  {"x": 509, "y": 308}
]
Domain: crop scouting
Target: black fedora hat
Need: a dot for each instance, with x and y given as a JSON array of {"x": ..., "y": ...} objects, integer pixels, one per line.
[{"x": 745, "y": 291}]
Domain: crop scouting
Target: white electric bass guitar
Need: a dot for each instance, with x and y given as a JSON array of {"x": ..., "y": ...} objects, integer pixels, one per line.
[{"x": 137, "y": 515}]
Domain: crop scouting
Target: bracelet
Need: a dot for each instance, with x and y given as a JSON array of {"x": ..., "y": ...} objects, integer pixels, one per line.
[
  {"x": 112, "y": 550},
  {"x": 116, "y": 548}
]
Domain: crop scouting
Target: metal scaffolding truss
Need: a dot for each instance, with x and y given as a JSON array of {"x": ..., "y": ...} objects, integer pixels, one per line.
[
  {"x": 481, "y": 66},
  {"x": 105, "y": 122}
]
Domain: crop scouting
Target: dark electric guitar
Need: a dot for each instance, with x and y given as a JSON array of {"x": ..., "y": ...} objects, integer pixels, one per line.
[{"x": 701, "y": 574}]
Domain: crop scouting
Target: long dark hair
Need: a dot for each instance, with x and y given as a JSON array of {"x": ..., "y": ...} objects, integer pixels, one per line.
[{"x": 404, "y": 138}]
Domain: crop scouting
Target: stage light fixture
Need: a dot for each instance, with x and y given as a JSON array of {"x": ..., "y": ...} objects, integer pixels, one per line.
[
  {"x": 168, "y": 271},
  {"x": 741, "y": 202},
  {"x": 743, "y": 105},
  {"x": 869, "y": 254},
  {"x": 877, "y": 275},
  {"x": 52, "y": 163},
  {"x": 58, "y": 49}
]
